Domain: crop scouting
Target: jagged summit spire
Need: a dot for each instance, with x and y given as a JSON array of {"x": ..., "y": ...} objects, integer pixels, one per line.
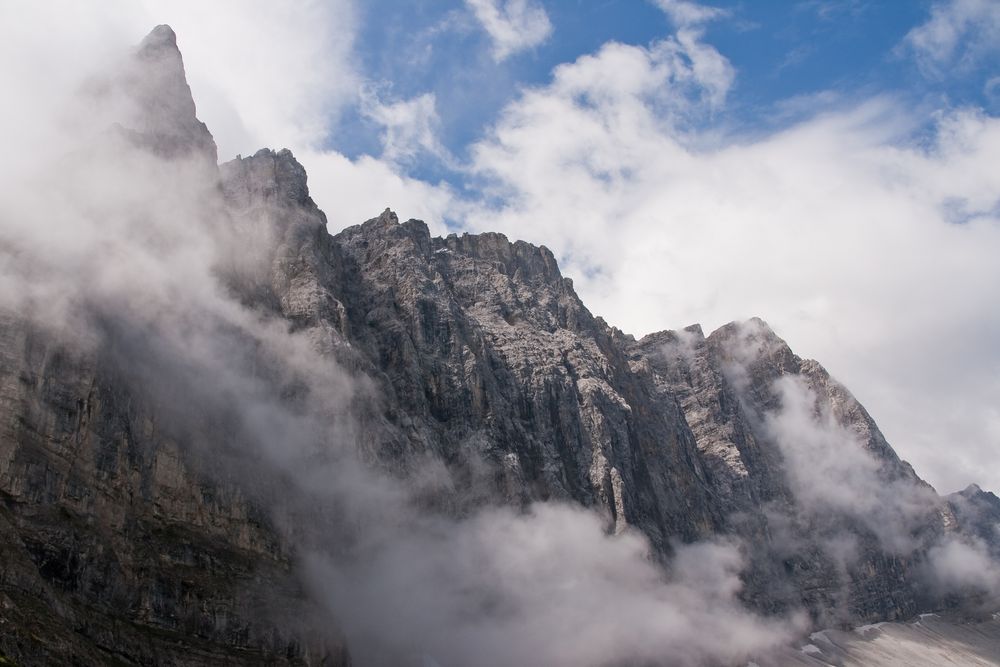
[
  {"x": 389, "y": 216},
  {"x": 162, "y": 113},
  {"x": 162, "y": 36}
]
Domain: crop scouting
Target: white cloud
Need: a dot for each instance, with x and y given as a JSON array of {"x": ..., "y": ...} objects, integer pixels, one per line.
[
  {"x": 261, "y": 74},
  {"x": 264, "y": 73},
  {"x": 959, "y": 34},
  {"x": 992, "y": 88},
  {"x": 871, "y": 253},
  {"x": 110, "y": 244},
  {"x": 539, "y": 587},
  {"x": 409, "y": 126},
  {"x": 352, "y": 191},
  {"x": 830, "y": 471},
  {"x": 963, "y": 566},
  {"x": 835, "y": 229},
  {"x": 684, "y": 13},
  {"x": 513, "y": 25}
]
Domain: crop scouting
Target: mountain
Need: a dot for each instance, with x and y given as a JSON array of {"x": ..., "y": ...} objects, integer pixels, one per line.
[{"x": 221, "y": 394}]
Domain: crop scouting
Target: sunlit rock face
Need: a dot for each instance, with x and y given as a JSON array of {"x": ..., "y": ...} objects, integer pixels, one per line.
[{"x": 153, "y": 503}]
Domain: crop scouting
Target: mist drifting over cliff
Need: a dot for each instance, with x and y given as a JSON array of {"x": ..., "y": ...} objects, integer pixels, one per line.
[
  {"x": 124, "y": 248},
  {"x": 449, "y": 457}
]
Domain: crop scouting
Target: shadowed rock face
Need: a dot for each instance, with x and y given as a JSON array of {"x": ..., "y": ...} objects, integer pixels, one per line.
[
  {"x": 123, "y": 542},
  {"x": 119, "y": 545},
  {"x": 978, "y": 512}
]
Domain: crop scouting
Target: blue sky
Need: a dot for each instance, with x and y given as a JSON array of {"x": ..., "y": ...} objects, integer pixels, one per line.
[{"x": 791, "y": 59}]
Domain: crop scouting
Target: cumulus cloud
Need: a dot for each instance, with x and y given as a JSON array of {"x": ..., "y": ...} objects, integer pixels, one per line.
[
  {"x": 252, "y": 95},
  {"x": 261, "y": 75},
  {"x": 282, "y": 91},
  {"x": 959, "y": 34},
  {"x": 513, "y": 25},
  {"x": 870, "y": 251}
]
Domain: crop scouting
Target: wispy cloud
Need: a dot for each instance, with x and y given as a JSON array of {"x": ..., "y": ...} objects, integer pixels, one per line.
[
  {"x": 513, "y": 25},
  {"x": 410, "y": 127},
  {"x": 687, "y": 14},
  {"x": 958, "y": 35}
]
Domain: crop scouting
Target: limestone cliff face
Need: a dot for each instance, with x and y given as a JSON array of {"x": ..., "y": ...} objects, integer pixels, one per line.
[
  {"x": 119, "y": 544},
  {"x": 485, "y": 358},
  {"x": 114, "y": 550},
  {"x": 978, "y": 512},
  {"x": 486, "y": 353},
  {"x": 123, "y": 542},
  {"x": 726, "y": 386}
]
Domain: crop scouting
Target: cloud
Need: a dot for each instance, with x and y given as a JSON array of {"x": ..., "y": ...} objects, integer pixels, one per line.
[
  {"x": 958, "y": 36},
  {"x": 513, "y": 25},
  {"x": 840, "y": 229},
  {"x": 856, "y": 499},
  {"x": 828, "y": 10},
  {"x": 684, "y": 13},
  {"x": 867, "y": 244},
  {"x": 830, "y": 471},
  {"x": 281, "y": 92},
  {"x": 547, "y": 586},
  {"x": 410, "y": 127},
  {"x": 352, "y": 191},
  {"x": 963, "y": 567}
]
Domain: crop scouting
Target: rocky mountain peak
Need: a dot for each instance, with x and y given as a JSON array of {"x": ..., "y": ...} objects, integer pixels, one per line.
[
  {"x": 267, "y": 177},
  {"x": 159, "y": 111},
  {"x": 161, "y": 38},
  {"x": 386, "y": 218},
  {"x": 519, "y": 259},
  {"x": 971, "y": 491}
]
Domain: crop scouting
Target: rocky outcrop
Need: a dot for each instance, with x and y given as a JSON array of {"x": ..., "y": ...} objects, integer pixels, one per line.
[
  {"x": 978, "y": 512},
  {"x": 727, "y": 387},
  {"x": 151, "y": 101},
  {"x": 114, "y": 548}
]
